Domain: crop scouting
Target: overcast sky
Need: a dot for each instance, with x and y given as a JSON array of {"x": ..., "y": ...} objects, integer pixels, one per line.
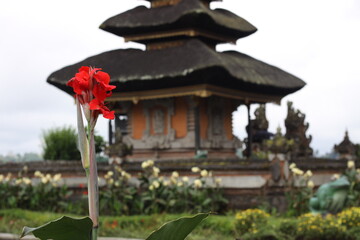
[{"x": 317, "y": 41}]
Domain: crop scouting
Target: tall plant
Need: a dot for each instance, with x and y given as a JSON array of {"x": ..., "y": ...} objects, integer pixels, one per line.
[{"x": 92, "y": 87}]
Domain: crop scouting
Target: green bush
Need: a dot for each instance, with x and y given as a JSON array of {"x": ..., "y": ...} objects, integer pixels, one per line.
[
  {"x": 288, "y": 227},
  {"x": 312, "y": 226},
  {"x": 350, "y": 217},
  {"x": 250, "y": 221},
  {"x": 60, "y": 144},
  {"x": 42, "y": 193},
  {"x": 300, "y": 191},
  {"x": 154, "y": 194}
]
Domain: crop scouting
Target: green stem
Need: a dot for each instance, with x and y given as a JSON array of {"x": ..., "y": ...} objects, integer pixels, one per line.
[
  {"x": 94, "y": 233},
  {"x": 93, "y": 191}
]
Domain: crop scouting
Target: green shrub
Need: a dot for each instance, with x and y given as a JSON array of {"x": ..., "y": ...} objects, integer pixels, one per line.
[
  {"x": 250, "y": 221},
  {"x": 288, "y": 227},
  {"x": 354, "y": 233},
  {"x": 154, "y": 194},
  {"x": 44, "y": 193},
  {"x": 312, "y": 226},
  {"x": 350, "y": 217},
  {"x": 300, "y": 191},
  {"x": 60, "y": 144}
]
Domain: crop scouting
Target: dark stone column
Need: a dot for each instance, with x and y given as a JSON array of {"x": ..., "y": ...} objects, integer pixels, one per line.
[
  {"x": 110, "y": 133},
  {"x": 197, "y": 127},
  {"x": 249, "y": 142}
]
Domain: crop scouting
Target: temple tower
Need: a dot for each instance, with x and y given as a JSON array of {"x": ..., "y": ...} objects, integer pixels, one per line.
[{"x": 176, "y": 98}]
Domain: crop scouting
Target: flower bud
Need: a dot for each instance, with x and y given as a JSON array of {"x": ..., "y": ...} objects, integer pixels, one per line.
[
  {"x": 204, "y": 173},
  {"x": 195, "y": 169},
  {"x": 351, "y": 164},
  {"x": 310, "y": 184},
  {"x": 197, "y": 183}
]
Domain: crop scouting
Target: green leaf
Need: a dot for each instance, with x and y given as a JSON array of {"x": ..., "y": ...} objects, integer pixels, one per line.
[
  {"x": 64, "y": 228},
  {"x": 177, "y": 229}
]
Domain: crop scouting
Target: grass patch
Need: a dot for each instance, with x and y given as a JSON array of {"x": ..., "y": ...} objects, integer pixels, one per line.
[{"x": 213, "y": 228}]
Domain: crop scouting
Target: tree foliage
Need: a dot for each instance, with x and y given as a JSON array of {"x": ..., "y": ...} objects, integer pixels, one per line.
[{"x": 60, "y": 143}]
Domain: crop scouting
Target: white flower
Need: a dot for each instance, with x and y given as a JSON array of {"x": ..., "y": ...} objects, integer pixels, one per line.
[
  {"x": 310, "y": 184},
  {"x": 109, "y": 174},
  {"x": 351, "y": 164},
  {"x": 146, "y": 164},
  {"x": 218, "y": 181},
  {"x": 180, "y": 184},
  {"x": 18, "y": 181},
  {"x": 1, "y": 177},
  {"x": 57, "y": 177},
  {"x": 111, "y": 181},
  {"x": 166, "y": 183},
  {"x": 204, "y": 173},
  {"x": 175, "y": 174},
  {"x": 156, "y": 184},
  {"x": 48, "y": 177},
  {"x": 297, "y": 171},
  {"x": 125, "y": 175},
  {"x": 185, "y": 179},
  {"x": 118, "y": 169},
  {"x": 44, "y": 180},
  {"x": 197, "y": 183},
  {"x": 156, "y": 171},
  {"x": 117, "y": 183},
  {"x": 38, "y": 174},
  {"x": 195, "y": 169},
  {"x": 8, "y": 177},
  {"x": 335, "y": 176},
  {"x": 293, "y": 165},
  {"x": 308, "y": 174},
  {"x": 27, "y": 181},
  {"x": 151, "y": 187},
  {"x": 173, "y": 180}
]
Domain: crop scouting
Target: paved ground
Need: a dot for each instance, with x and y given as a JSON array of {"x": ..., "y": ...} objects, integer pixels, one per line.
[{"x": 7, "y": 236}]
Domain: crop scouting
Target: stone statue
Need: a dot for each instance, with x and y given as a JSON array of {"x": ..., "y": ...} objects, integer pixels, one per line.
[
  {"x": 119, "y": 150},
  {"x": 296, "y": 129},
  {"x": 259, "y": 130},
  {"x": 330, "y": 197}
]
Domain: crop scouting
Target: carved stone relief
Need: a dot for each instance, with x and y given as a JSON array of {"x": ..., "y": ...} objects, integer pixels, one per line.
[
  {"x": 216, "y": 135},
  {"x": 158, "y": 133}
]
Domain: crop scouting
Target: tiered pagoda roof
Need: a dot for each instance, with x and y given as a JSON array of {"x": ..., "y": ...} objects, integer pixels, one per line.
[
  {"x": 186, "y": 19},
  {"x": 346, "y": 146},
  {"x": 184, "y": 60}
]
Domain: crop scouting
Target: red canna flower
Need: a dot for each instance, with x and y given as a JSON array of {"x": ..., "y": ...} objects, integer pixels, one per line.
[{"x": 92, "y": 87}]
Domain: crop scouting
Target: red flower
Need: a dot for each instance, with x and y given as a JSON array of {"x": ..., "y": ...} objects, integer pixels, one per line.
[{"x": 91, "y": 87}]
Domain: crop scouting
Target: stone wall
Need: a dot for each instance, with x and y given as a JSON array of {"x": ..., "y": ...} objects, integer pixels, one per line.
[{"x": 246, "y": 183}]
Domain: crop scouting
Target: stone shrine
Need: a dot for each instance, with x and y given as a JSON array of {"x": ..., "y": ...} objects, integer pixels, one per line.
[{"x": 296, "y": 129}]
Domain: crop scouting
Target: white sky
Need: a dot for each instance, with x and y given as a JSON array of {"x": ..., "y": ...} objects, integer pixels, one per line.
[{"x": 317, "y": 41}]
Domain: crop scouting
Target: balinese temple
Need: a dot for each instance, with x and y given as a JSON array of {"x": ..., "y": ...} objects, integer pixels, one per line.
[
  {"x": 176, "y": 98},
  {"x": 346, "y": 149}
]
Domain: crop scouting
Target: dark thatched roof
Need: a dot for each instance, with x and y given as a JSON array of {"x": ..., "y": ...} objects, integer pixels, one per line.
[
  {"x": 186, "y": 65},
  {"x": 346, "y": 146},
  {"x": 189, "y": 14}
]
